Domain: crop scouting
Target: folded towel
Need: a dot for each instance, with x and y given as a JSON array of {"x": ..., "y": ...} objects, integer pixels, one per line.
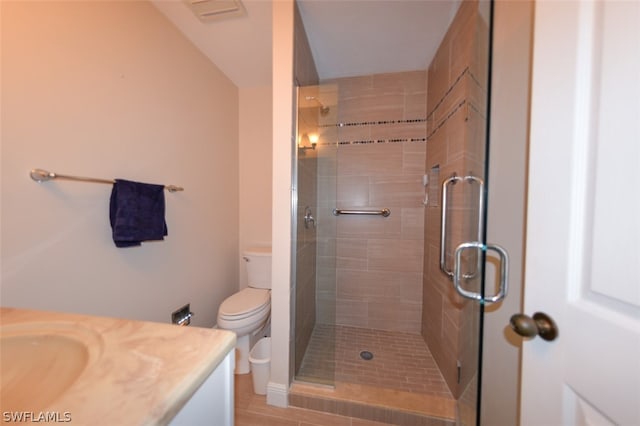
[{"x": 136, "y": 213}]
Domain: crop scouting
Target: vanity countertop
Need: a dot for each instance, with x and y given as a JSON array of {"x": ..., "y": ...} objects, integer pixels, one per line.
[{"x": 136, "y": 373}]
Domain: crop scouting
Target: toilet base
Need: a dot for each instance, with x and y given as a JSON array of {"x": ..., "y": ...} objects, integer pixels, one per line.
[{"x": 243, "y": 347}]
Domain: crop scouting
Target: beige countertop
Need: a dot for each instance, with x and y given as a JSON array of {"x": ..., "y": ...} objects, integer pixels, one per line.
[{"x": 137, "y": 373}]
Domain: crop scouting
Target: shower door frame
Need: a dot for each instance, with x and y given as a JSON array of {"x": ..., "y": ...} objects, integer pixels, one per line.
[{"x": 318, "y": 219}]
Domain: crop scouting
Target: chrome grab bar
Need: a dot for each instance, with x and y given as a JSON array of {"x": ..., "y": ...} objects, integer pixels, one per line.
[{"x": 384, "y": 212}]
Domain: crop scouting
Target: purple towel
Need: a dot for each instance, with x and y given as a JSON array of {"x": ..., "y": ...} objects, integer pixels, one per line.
[{"x": 136, "y": 213}]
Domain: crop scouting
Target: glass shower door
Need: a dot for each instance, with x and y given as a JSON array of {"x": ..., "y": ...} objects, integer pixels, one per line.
[
  {"x": 457, "y": 123},
  {"x": 463, "y": 247},
  {"x": 315, "y": 288}
]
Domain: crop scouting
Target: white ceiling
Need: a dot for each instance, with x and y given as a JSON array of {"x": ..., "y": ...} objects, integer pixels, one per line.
[
  {"x": 347, "y": 37},
  {"x": 239, "y": 46},
  {"x": 362, "y": 37}
]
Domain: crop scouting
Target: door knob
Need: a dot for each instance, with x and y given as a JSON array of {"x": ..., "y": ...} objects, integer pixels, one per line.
[{"x": 541, "y": 324}]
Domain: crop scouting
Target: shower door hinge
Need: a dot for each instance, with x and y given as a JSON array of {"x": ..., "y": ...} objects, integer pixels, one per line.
[{"x": 459, "y": 370}]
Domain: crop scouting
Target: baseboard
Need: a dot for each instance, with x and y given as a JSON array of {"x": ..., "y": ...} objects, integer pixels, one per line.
[{"x": 277, "y": 394}]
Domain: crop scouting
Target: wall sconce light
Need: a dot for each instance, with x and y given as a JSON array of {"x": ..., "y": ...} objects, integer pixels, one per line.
[{"x": 308, "y": 141}]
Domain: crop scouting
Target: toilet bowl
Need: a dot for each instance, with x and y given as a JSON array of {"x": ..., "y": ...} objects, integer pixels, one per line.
[
  {"x": 248, "y": 311},
  {"x": 245, "y": 311}
]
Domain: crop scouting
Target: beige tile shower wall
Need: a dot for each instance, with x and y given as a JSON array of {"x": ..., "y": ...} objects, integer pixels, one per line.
[
  {"x": 455, "y": 129},
  {"x": 380, "y": 165}
]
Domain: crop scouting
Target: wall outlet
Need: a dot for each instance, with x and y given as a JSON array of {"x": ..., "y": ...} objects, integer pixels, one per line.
[{"x": 182, "y": 316}]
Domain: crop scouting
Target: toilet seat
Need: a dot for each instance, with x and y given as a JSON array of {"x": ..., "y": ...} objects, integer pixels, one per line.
[
  {"x": 246, "y": 303},
  {"x": 245, "y": 325}
]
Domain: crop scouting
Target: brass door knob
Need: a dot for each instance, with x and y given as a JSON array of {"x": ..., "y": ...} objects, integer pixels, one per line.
[{"x": 541, "y": 324}]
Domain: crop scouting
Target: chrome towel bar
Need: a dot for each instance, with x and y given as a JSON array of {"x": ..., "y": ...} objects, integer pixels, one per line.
[
  {"x": 384, "y": 212},
  {"x": 40, "y": 175}
]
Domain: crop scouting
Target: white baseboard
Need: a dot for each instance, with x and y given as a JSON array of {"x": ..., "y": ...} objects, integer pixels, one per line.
[{"x": 277, "y": 394}]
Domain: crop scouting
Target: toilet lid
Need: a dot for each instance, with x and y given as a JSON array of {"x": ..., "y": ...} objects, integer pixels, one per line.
[{"x": 245, "y": 301}]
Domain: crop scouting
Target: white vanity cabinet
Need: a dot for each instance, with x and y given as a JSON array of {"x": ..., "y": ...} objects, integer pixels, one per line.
[
  {"x": 134, "y": 372},
  {"x": 212, "y": 404}
]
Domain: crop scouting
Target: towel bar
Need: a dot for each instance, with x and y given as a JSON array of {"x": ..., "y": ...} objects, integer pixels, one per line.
[{"x": 40, "y": 175}]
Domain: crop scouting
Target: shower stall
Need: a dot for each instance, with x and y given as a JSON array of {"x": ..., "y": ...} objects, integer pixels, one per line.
[{"x": 389, "y": 180}]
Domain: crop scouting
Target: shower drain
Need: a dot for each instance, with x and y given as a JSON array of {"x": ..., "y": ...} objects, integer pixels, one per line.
[{"x": 366, "y": 355}]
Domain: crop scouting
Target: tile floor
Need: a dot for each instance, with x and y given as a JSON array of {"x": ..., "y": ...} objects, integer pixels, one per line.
[
  {"x": 401, "y": 361},
  {"x": 400, "y": 385}
]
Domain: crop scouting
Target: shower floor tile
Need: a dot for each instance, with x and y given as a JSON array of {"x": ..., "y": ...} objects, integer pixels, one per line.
[{"x": 401, "y": 361}]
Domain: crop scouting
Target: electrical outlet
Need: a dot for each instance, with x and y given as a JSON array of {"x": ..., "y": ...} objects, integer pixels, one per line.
[{"x": 182, "y": 316}]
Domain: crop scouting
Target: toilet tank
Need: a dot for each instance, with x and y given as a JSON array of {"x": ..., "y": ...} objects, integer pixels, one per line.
[{"x": 258, "y": 263}]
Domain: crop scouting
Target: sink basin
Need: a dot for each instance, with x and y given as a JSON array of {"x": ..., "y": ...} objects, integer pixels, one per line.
[{"x": 40, "y": 361}]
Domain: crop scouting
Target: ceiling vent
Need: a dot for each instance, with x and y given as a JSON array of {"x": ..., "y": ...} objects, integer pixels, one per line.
[{"x": 214, "y": 10}]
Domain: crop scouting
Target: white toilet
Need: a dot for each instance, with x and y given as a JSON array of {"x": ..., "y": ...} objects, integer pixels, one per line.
[{"x": 248, "y": 311}]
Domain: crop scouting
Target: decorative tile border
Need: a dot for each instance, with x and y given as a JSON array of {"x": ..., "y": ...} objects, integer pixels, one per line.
[
  {"x": 374, "y": 141},
  {"x": 375, "y": 123},
  {"x": 452, "y": 112},
  {"x": 449, "y": 90}
]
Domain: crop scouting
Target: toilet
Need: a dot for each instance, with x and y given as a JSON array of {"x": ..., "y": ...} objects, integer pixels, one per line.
[{"x": 247, "y": 312}]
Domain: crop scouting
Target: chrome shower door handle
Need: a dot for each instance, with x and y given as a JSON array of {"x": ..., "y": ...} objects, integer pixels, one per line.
[
  {"x": 443, "y": 224},
  {"x": 457, "y": 275},
  {"x": 309, "y": 220},
  {"x": 480, "y": 234},
  {"x": 504, "y": 271}
]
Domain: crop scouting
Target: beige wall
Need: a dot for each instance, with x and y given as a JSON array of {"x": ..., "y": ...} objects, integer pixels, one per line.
[
  {"x": 1, "y": 139},
  {"x": 255, "y": 171},
  {"x": 112, "y": 89},
  {"x": 281, "y": 293}
]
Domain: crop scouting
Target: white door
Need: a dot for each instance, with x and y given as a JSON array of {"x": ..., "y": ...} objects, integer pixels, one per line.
[{"x": 583, "y": 222}]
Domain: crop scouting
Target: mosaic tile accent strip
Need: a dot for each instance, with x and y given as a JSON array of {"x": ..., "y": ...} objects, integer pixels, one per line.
[
  {"x": 448, "y": 92},
  {"x": 443, "y": 122},
  {"x": 376, "y": 123},
  {"x": 377, "y": 141}
]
